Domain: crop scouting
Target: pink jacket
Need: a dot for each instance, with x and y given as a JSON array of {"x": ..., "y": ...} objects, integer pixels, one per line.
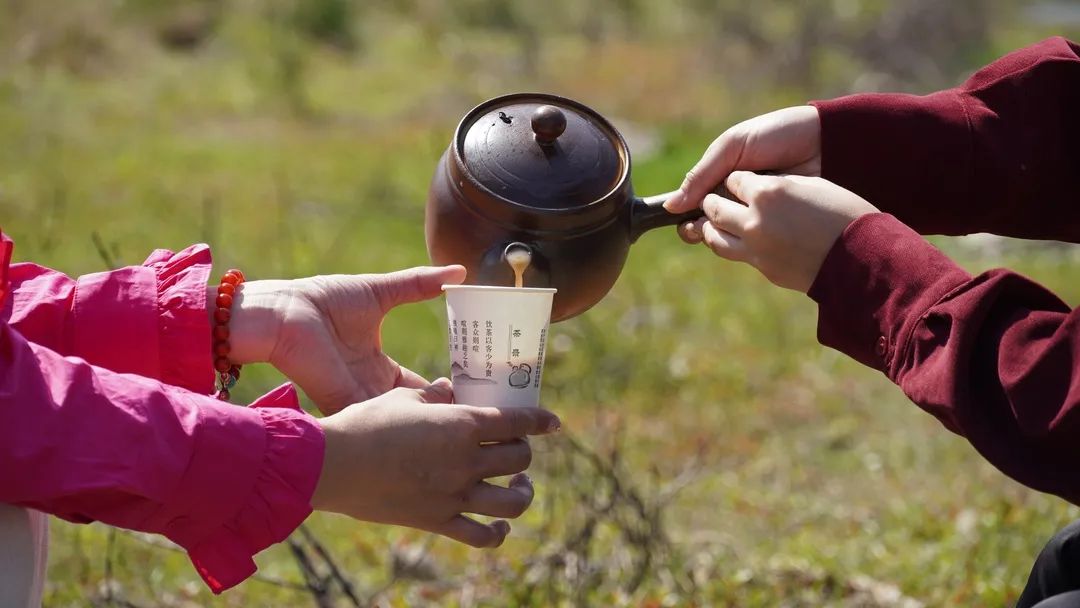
[{"x": 104, "y": 385}]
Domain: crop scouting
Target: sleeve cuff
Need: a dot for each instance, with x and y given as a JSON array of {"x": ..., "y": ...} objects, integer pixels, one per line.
[
  {"x": 183, "y": 324},
  {"x": 278, "y": 500},
  {"x": 149, "y": 320},
  {"x": 876, "y": 282}
]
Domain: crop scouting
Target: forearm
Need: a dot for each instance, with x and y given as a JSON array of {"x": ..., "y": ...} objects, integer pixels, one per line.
[
  {"x": 1000, "y": 154},
  {"x": 989, "y": 356},
  {"x": 148, "y": 320},
  {"x": 87, "y": 444}
]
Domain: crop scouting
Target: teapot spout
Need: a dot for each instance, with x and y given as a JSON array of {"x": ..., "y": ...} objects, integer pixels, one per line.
[
  {"x": 513, "y": 263},
  {"x": 517, "y": 252},
  {"x": 648, "y": 213}
]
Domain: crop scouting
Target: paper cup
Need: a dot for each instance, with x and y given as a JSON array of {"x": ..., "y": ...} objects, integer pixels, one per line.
[{"x": 497, "y": 340}]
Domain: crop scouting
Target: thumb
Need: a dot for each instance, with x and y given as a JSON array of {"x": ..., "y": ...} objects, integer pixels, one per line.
[
  {"x": 749, "y": 187},
  {"x": 508, "y": 423},
  {"x": 440, "y": 391},
  {"x": 720, "y": 158},
  {"x": 415, "y": 284}
]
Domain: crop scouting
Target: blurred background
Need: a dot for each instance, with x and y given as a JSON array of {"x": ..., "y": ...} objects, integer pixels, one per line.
[{"x": 713, "y": 453}]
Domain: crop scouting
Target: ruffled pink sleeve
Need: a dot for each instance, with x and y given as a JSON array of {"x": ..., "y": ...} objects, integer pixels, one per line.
[
  {"x": 149, "y": 320},
  {"x": 86, "y": 443},
  {"x": 281, "y": 497}
]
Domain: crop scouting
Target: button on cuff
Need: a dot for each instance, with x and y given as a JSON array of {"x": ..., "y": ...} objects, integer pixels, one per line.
[{"x": 882, "y": 346}]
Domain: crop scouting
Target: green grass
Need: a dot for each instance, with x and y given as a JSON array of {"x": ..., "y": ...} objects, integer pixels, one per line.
[{"x": 801, "y": 472}]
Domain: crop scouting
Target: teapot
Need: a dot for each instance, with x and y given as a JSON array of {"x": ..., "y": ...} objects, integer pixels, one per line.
[{"x": 546, "y": 174}]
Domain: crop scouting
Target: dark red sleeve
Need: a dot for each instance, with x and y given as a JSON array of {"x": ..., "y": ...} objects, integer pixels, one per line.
[
  {"x": 999, "y": 154},
  {"x": 996, "y": 357}
]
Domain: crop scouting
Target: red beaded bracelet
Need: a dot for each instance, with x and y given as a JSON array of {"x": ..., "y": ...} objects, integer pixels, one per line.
[{"x": 227, "y": 373}]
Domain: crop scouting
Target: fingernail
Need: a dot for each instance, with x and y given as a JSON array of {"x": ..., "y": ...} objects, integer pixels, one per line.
[
  {"x": 443, "y": 381},
  {"x": 675, "y": 198},
  {"x": 521, "y": 480},
  {"x": 554, "y": 426},
  {"x": 503, "y": 528}
]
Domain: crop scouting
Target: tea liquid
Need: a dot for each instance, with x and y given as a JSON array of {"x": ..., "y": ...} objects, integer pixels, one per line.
[{"x": 519, "y": 259}]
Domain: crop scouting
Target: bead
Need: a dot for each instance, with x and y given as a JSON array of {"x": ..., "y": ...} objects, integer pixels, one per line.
[
  {"x": 222, "y": 315},
  {"x": 228, "y": 373}
]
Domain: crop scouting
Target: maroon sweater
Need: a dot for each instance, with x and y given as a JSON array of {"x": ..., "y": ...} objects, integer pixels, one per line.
[{"x": 995, "y": 357}]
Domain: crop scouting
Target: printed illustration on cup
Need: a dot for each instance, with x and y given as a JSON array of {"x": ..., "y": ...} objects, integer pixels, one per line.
[
  {"x": 461, "y": 376},
  {"x": 520, "y": 376}
]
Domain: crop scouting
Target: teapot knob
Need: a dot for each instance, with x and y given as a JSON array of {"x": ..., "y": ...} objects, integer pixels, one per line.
[{"x": 548, "y": 123}]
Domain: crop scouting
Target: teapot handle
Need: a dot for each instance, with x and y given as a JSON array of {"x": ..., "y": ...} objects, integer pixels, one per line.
[{"x": 648, "y": 213}]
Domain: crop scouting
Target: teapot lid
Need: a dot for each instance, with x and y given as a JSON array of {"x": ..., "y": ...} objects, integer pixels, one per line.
[{"x": 542, "y": 151}]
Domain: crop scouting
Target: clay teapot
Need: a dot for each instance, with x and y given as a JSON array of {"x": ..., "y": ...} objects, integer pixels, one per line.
[{"x": 547, "y": 174}]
